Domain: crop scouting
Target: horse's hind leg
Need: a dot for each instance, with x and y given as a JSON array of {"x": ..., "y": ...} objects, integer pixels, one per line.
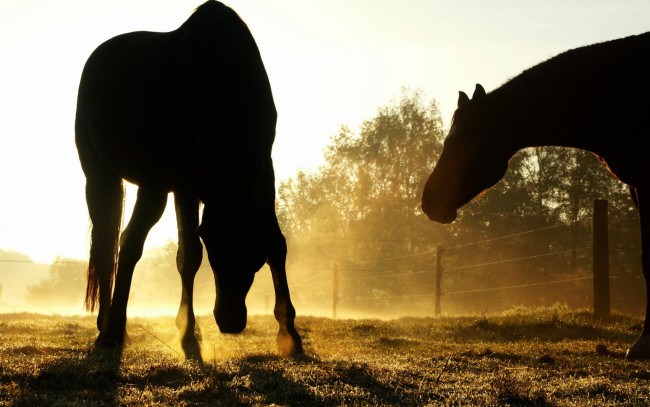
[
  {"x": 288, "y": 340},
  {"x": 641, "y": 349},
  {"x": 104, "y": 196},
  {"x": 188, "y": 261},
  {"x": 148, "y": 209}
]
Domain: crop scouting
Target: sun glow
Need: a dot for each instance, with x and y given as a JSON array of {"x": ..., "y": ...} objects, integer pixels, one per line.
[{"x": 329, "y": 63}]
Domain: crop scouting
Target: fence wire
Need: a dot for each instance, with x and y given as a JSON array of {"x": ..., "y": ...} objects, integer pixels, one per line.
[{"x": 375, "y": 273}]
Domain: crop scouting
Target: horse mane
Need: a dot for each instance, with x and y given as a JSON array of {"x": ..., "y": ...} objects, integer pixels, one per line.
[
  {"x": 588, "y": 62},
  {"x": 557, "y": 87}
]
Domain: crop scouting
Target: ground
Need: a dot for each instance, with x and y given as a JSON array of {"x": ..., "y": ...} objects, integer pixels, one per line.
[{"x": 549, "y": 356}]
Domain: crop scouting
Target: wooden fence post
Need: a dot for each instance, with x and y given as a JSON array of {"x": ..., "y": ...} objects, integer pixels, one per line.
[
  {"x": 335, "y": 288},
  {"x": 439, "y": 251},
  {"x": 600, "y": 260}
]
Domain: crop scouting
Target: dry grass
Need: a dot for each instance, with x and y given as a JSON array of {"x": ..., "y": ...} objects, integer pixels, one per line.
[{"x": 526, "y": 357}]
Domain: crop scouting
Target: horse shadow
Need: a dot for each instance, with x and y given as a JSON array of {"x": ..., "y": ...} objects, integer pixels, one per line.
[
  {"x": 96, "y": 378},
  {"x": 552, "y": 330},
  {"x": 270, "y": 380},
  {"x": 255, "y": 376},
  {"x": 93, "y": 378}
]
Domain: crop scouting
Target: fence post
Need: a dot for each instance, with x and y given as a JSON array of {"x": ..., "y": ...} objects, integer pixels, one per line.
[
  {"x": 439, "y": 251},
  {"x": 335, "y": 288},
  {"x": 600, "y": 260}
]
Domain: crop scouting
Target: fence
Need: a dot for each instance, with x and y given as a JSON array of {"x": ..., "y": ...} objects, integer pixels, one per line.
[
  {"x": 438, "y": 275},
  {"x": 599, "y": 276}
]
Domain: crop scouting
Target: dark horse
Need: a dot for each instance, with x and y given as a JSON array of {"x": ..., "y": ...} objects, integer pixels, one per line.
[
  {"x": 189, "y": 112},
  {"x": 593, "y": 98}
]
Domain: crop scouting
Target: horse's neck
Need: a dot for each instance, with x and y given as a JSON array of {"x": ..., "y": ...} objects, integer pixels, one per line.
[{"x": 536, "y": 116}]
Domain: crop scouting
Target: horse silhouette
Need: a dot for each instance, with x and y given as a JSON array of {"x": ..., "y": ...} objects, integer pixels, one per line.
[
  {"x": 190, "y": 112},
  {"x": 593, "y": 98}
]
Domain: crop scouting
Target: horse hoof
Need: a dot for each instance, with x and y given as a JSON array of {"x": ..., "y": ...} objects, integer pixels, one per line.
[
  {"x": 189, "y": 340},
  {"x": 640, "y": 350},
  {"x": 191, "y": 348},
  {"x": 289, "y": 343}
]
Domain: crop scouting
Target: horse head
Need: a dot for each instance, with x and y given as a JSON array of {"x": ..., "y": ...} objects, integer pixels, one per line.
[
  {"x": 238, "y": 245},
  {"x": 472, "y": 160}
]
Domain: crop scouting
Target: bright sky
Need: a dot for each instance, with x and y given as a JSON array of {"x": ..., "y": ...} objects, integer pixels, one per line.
[{"x": 330, "y": 62}]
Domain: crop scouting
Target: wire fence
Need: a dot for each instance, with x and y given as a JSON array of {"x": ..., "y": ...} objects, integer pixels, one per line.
[
  {"x": 324, "y": 287},
  {"x": 376, "y": 275}
]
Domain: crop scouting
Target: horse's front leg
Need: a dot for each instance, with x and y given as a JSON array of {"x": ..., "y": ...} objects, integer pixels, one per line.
[
  {"x": 148, "y": 209},
  {"x": 288, "y": 339},
  {"x": 641, "y": 349},
  {"x": 188, "y": 261}
]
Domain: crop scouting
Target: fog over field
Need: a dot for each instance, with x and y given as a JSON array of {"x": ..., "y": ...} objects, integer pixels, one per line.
[{"x": 365, "y": 93}]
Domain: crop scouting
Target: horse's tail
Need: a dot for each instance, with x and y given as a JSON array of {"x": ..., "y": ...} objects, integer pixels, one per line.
[{"x": 105, "y": 206}]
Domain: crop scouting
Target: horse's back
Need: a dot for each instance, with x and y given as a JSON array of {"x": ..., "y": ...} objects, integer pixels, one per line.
[
  {"x": 154, "y": 103},
  {"x": 617, "y": 92},
  {"x": 615, "y": 79},
  {"x": 121, "y": 78},
  {"x": 119, "y": 106}
]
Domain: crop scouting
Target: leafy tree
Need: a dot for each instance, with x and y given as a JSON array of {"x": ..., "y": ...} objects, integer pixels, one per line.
[
  {"x": 369, "y": 179},
  {"x": 364, "y": 203}
]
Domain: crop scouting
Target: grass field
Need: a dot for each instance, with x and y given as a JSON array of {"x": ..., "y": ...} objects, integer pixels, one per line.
[{"x": 549, "y": 356}]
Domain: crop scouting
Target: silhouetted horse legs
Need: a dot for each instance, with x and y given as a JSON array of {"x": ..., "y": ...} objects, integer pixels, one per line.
[
  {"x": 288, "y": 340},
  {"x": 188, "y": 261},
  {"x": 641, "y": 349},
  {"x": 149, "y": 207},
  {"x": 105, "y": 196}
]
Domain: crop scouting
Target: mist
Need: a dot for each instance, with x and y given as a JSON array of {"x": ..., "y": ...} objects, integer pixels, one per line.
[{"x": 525, "y": 243}]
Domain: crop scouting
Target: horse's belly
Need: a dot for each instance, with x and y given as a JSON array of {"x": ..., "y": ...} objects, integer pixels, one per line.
[
  {"x": 134, "y": 137},
  {"x": 132, "y": 159},
  {"x": 135, "y": 142}
]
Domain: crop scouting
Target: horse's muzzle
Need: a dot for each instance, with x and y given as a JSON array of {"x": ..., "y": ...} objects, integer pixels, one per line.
[
  {"x": 438, "y": 213},
  {"x": 231, "y": 320}
]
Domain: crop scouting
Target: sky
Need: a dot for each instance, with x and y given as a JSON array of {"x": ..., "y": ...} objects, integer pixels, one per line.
[{"x": 330, "y": 63}]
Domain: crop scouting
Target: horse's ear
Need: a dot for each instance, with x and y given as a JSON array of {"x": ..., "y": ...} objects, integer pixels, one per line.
[
  {"x": 462, "y": 99},
  {"x": 479, "y": 92}
]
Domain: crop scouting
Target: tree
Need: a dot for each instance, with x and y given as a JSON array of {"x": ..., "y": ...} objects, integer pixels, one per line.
[
  {"x": 63, "y": 286},
  {"x": 364, "y": 203},
  {"x": 369, "y": 179}
]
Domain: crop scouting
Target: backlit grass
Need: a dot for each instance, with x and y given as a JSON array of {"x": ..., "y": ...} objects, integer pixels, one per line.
[{"x": 546, "y": 356}]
